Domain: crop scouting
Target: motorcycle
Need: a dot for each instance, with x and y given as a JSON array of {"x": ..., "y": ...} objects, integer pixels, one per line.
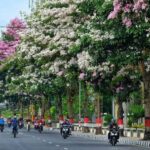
[
  {"x": 40, "y": 127},
  {"x": 28, "y": 126},
  {"x": 9, "y": 123},
  {"x": 20, "y": 125},
  {"x": 36, "y": 125},
  {"x": 65, "y": 131},
  {"x": 15, "y": 131},
  {"x": 1, "y": 128},
  {"x": 114, "y": 136}
]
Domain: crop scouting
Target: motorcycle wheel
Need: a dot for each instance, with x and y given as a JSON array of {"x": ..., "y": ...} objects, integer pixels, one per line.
[
  {"x": 113, "y": 142},
  {"x": 40, "y": 130},
  {"x": 14, "y": 134},
  {"x": 28, "y": 128},
  {"x": 64, "y": 136}
]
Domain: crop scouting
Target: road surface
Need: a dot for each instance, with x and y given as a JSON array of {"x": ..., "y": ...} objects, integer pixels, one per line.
[{"x": 50, "y": 140}]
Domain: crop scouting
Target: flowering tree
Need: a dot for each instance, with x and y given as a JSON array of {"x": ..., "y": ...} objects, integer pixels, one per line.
[
  {"x": 11, "y": 38},
  {"x": 129, "y": 20}
]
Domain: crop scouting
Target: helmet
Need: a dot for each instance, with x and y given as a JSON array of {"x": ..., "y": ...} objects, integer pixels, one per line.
[{"x": 113, "y": 120}]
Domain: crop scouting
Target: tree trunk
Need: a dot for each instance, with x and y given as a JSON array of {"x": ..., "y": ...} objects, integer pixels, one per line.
[
  {"x": 98, "y": 111},
  {"x": 59, "y": 105},
  {"x": 120, "y": 109},
  {"x": 147, "y": 105},
  {"x": 97, "y": 105},
  {"x": 146, "y": 80},
  {"x": 43, "y": 108},
  {"x": 120, "y": 116},
  {"x": 85, "y": 103},
  {"x": 70, "y": 107}
]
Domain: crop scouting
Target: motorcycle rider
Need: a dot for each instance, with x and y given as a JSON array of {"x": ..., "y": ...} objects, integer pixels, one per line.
[
  {"x": 9, "y": 122},
  {"x": 28, "y": 122},
  {"x": 112, "y": 125},
  {"x": 36, "y": 123},
  {"x": 15, "y": 124},
  {"x": 66, "y": 123},
  {"x": 2, "y": 122},
  {"x": 20, "y": 121}
]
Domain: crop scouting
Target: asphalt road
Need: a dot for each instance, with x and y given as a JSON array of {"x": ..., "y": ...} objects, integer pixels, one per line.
[{"x": 50, "y": 140}]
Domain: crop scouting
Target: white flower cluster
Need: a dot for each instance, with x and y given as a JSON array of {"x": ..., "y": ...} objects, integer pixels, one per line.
[
  {"x": 147, "y": 65},
  {"x": 102, "y": 70},
  {"x": 52, "y": 31},
  {"x": 84, "y": 60}
]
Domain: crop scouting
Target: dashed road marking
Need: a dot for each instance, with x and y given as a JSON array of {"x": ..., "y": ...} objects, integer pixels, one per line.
[
  {"x": 44, "y": 140},
  {"x": 65, "y": 148},
  {"x": 57, "y": 145},
  {"x": 49, "y": 142}
]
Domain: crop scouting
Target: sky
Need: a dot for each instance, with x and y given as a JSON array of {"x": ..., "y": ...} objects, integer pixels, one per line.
[{"x": 10, "y": 9}]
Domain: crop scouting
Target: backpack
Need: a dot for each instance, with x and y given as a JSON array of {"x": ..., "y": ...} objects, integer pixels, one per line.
[{"x": 14, "y": 121}]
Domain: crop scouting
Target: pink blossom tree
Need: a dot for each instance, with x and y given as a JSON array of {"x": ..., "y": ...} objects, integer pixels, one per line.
[{"x": 10, "y": 38}]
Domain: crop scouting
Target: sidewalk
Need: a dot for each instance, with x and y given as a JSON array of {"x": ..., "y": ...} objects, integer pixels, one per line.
[{"x": 122, "y": 140}]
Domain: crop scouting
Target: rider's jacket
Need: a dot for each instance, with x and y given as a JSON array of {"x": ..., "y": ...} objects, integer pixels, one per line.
[
  {"x": 1, "y": 121},
  {"x": 14, "y": 122}
]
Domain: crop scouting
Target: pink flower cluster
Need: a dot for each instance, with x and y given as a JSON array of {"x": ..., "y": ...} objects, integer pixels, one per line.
[
  {"x": 81, "y": 76},
  {"x": 127, "y": 22},
  {"x": 128, "y": 8},
  {"x": 140, "y": 5},
  {"x": 7, "y": 46},
  {"x": 136, "y": 7},
  {"x": 117, "y": 9}
]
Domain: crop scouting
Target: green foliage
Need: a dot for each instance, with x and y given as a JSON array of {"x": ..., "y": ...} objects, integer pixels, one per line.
[
  {"x": 53, "y": 111},
  {"x": 136, "y": 112},
  {"x": 138, "y": 126},
  {"x": 107, "y": 119}
]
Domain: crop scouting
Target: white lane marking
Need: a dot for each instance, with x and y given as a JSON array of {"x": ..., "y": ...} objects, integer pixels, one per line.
[
  {"x": 44, "y": 140},
  {"x": 50, "y": 142},
  {"x": 65, "y": 148},
  {"x": 57, "y": 145}
]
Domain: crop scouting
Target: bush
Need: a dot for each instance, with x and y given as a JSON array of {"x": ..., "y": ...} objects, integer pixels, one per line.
[
  {"x": 137, "y": 126},
  {"x": 107, "y": 119},
  {"x": 136, "y": 111}
]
